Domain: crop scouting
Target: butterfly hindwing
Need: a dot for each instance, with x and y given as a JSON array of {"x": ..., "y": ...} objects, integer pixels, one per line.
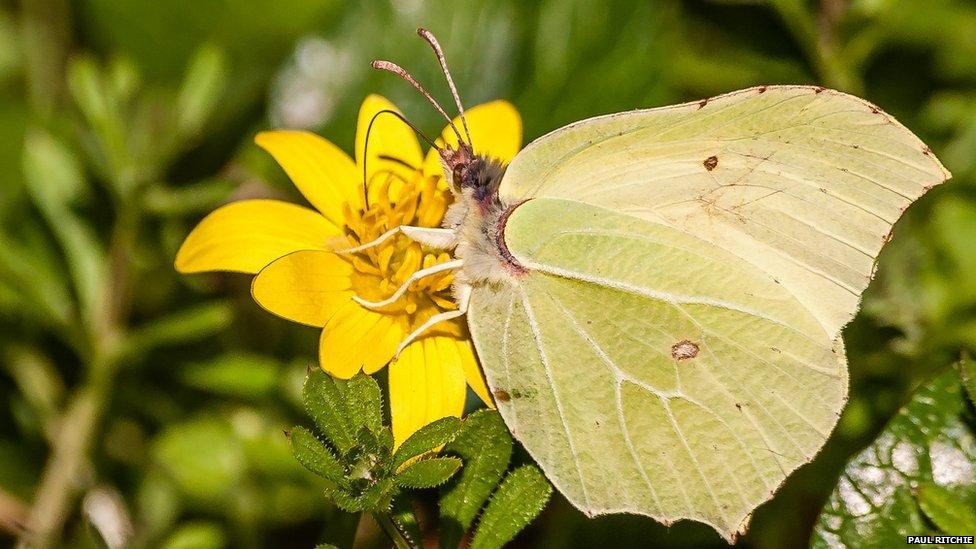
[{"x": 649, "y": 371}]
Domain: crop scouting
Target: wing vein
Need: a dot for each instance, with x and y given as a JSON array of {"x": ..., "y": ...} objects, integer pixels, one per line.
[
  {"x": 663, "y": 395},
  {"x": 537, "y": 335}
]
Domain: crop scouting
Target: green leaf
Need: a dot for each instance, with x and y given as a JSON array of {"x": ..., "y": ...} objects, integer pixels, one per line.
[
  {"x": 197, "y": 535},
  {"x": 365, "y": 403},
  {"x": 315, "y": 456},
  {"x": 967, "y": 372},
  {"x": 35, "y": 282},
  {"x": 38, "y": 381},
  {"x": 87, "y": 89},
  {"x": 520, "y": 498},
  {"x": 428, "y": 473},
  {"x": 946, "y": 509},
  {"x": 425, "y": 439},
  {"x": 97, "y": 102},
  {"x": 54, "y": 180},
  {"x": 374, "y": 497},
  {"x": 202, "y": 88},
  {"x": 324, "y": 401},
  {"x": 179, "y": 327},
  {"x": 203, "y": 456},
  {"x": 234, "y": 375},
  {"x": 123, "y": 79},
  {"x": 56, "y": 177},
  {"x": 405, "y": 520},
  {"x": 195, "y": 198},
  {"x": 486, "y": 447},
  {"x": 927, "y": 442},
  {"x": 370, "y": 458}
]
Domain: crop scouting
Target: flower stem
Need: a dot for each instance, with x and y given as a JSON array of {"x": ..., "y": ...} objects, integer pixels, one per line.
[
  {"x": 71, "y": 446},
  {"x": 820, "y": 47},
  {"x": 13, "y": 514},
  {"x": 390, "y": 528},
  {"x": 78, "y": 427}
]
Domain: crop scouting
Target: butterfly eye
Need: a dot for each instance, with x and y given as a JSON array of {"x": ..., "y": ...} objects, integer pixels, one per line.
[{"x": 458, "y": 176}]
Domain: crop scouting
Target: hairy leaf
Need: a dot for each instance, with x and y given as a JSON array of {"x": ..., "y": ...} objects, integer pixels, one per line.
[
  {"x": 372, "y": 497},
  {"x": 405, "y": 520},
  {"x": 315, "y": 456},
  {"x": 325, "y": 403},
  {"x": 486, "y": 447},
  {"x": 365, "y": 403},
  {"x": 520, "y": 498},
  {"x": 428, "y": 437},
  {"x": 428, "y": 473}
]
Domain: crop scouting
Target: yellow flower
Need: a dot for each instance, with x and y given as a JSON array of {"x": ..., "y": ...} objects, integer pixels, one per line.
[{"x": 301, "y": 278}]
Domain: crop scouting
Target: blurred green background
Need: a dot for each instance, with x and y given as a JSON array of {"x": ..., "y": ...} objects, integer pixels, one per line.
[{"x": 133, "y": 397}]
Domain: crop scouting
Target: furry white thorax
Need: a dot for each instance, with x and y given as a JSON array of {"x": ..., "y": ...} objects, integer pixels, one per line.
[
  {"x": 473, "y": 228},
  {"x": 477, "y": 230}
]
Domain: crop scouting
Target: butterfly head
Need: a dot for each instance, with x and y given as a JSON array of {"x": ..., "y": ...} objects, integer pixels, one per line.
[
  {"x": 457, "y": 163},
  {"x": 467, "y": 170},
  {"x": 463, "y": 168}
]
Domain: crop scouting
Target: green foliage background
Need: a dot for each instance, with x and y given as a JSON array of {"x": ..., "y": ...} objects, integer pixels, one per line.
[{"x": 122, "y": 122}]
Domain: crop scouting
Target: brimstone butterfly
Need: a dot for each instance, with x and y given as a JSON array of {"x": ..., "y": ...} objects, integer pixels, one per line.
[{"x": 657, "y": 296}]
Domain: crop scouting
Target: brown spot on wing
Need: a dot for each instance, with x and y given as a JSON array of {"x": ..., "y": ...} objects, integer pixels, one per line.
[
  {"x": 684, "y": 350},
  {"x": 710, "y": 163},
  {"x": 501, "y": 395}
]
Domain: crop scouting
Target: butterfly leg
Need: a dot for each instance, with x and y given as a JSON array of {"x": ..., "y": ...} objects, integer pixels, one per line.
[
  {"x": 464, "y": 297},
  {"x": 422, "y": 273},
  {"x": 439, "y": 239}
]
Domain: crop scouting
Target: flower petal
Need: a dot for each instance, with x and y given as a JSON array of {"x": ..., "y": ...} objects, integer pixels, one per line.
[
  {"x": 472, "y": 372},
  {"x": 307, "y": 287},
  {"x": 388, "y": 138},
  {"x": 356, "y": 338},
  {"x": 322, "y": 172},
  {"x": 426, "y": 384},
  {"x": 496, "y": 132},
  {"x": 247, "y": 235}
]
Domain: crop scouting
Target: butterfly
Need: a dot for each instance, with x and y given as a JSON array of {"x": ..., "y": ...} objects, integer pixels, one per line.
[{"x": 656, "y": 297}]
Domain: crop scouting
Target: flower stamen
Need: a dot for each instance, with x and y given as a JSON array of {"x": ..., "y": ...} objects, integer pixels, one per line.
[
  {"x": 396, "y": 248},
  {"x": 415, "y": 277}
]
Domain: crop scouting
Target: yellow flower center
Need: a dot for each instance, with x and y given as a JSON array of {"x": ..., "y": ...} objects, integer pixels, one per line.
[{"x": 382, "y": 269}]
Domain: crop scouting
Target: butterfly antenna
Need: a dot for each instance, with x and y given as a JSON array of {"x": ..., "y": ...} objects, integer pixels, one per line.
[
  {"x": 369, "y": 131},
  {"x": 399, "y": 71},
  {"x": 430, "y": 39}
]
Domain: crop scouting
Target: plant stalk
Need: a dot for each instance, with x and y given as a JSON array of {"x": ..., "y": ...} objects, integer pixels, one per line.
[
  {"x": 389, "y": 528},
  {"x": 62, "y": 478},
  {"x": 64, "y": 474},
  {"x": 13, "y": 514},
  {"x": 819, "y": 45}
]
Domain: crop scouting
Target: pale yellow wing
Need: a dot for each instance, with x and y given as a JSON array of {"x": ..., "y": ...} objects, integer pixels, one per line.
[
  {"x": 648, "y": 371},
  {"x": 802, "y": 182}
]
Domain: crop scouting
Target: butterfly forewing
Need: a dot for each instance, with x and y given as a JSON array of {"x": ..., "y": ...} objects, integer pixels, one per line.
[{"x": 802, "y": 182}]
